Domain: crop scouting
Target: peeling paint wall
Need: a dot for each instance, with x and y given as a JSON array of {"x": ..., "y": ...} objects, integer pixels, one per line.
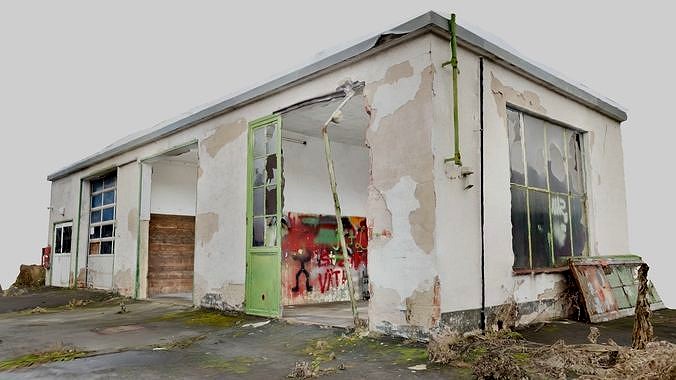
[
  {"x": 63, "y": 208},
  {"x": 425, "y": 247},
  {"x": 607, "y": 215}
]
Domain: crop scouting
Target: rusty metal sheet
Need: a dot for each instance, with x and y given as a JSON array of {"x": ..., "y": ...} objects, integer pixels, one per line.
[{"x": 609, "y": 287}]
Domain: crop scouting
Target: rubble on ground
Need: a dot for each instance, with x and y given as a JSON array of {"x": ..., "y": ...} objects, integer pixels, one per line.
[
  {"x": 505, "y": 355},
  {"x": 30, "y": 277}
]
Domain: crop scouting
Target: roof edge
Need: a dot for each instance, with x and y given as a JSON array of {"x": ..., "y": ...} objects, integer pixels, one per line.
[{"x": 467, "y": 38}]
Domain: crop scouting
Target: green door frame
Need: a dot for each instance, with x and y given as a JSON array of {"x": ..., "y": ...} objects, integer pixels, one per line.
[{"x": 263, "y": 287}]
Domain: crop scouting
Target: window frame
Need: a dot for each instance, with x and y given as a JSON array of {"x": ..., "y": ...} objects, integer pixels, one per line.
[
  {"x": 61, "y": 226},
  {"x": 100, "y": 208},
  {"x": 570, "y": 194}
]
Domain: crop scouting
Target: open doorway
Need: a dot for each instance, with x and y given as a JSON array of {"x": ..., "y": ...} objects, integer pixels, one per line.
[
  {"x": 171, "y": 229},
  {"x": 313, "y": 278}
]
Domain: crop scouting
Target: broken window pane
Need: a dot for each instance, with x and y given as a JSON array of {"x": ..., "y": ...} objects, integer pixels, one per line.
[
  {"x": 259, "y": 172},
  {"x": 96, "y": 200},
  {"x": 109, "y": 197},
  {"x": 67, "y": 236},
  {"x": 534, "y": 131},
  {"x": 107, "y": 230},
  {"x": 515, "y": 147},
  {"x": 575, "y": 162},
  {"x": 259, "y": 142},
  {"x": 271, "y": 231},
  {"x": 94, "y": 248},
  {"x": 560, "y": 225},
  {"x": 258, "y": 201},
  {"x": 95, "y": 232},
  {"x": 579, "y": 226},
  {"x": 108, "y": 214},
  {"x": 57, "y": 243},
  {"x": 271, "y": 138},
  {"x": 106, "y": 247},
  {"x": 271, "y": 170},
  {"x": 271, "y": 200},
  {"x": 520, "y": 228},
  {"x": 557, "y": 159},
  {"x": 258, "y": 232},
  {"x": 539, "y": 228}
]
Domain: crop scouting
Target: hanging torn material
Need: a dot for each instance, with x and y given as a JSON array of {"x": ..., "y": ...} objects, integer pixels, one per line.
[{"x": 609, "y": 286}]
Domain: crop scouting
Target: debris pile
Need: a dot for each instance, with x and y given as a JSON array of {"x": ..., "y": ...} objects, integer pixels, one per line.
[
  {"x": 505, "y": 355},
  {"x": 30, "y": 277}
]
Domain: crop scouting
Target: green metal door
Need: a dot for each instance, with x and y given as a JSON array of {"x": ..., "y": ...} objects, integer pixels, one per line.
[{"x": 264, "y": 211}]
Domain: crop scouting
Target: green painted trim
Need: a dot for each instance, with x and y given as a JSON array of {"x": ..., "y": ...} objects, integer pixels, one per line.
[
  {"x": 77, "y": 234},
  {"x": 253, "y": 125},
  {"x": 137, "y": 283}
]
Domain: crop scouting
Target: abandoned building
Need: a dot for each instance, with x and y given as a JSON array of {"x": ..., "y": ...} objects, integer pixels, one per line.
[{"x": 230, "y": 206}]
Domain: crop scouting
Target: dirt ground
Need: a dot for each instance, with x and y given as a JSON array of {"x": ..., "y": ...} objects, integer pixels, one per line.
[{"x": 168, "y": 339}]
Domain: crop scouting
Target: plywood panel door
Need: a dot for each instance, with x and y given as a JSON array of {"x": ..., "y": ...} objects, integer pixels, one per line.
[{"x": 171, "y": 254}]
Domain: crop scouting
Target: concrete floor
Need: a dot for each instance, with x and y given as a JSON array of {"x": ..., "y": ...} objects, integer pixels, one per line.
[{"x": 335, "y": 314}]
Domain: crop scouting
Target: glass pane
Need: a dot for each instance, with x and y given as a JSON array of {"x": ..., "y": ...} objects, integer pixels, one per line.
[
  {"x": 560, "y": 225},
  {"x": 95, "y": 232},
  {"x": 271, "y": 200},
  {"x": 97, "y": 185},
  {"x": 57, "y": 243},
  {"x": 109, "y": 197},
  {"x": 520, "y": 228},
  {"x": 557, "y": 159},
  {"x": 67, "y": 236},
  {"x": 259, "y": 142},
  {"x": 271, "y": 231},
  {"x": 94, "y": 248},
  {"x": 258, "y": 232},
  {"x": 515, "y": 148},
  {"x": 106, "y": 247},
  {"x": 539, "y": 229},
  {"x": 271, "y": 138},
  {"x": 579, "y": 226},
  {"x": 575, "y": 162},
  {"x": 271, "y": 170},
  {"x": 95, "y": 216},
  {"x": 107, "y": 230},
  {"x": 259, "y": 172},
  {"x": 534, "y": 131},
  {"x": 108, "y": 214},
  {"x": 96, "y": 200},
  {"x": 109, "y": 182},
  {"x": 258, "y": 201}
]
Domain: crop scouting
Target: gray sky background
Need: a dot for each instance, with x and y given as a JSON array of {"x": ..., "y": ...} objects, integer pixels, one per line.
[{"x": 76, "y": 75}]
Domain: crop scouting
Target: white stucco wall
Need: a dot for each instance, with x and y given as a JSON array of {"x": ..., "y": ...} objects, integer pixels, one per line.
[
  {"x": 306, "y": 180},
  {"x": 424, "y": 253},
  {"x": 174, "y": 188}
]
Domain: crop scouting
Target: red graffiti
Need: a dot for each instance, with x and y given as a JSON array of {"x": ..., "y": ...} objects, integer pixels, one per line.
[{"x": 312, "y": 260}]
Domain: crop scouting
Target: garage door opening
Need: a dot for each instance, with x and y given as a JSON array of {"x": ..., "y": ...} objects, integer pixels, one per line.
[
  {"x": 171, "y": 230},
  {"x": 314, "y": 278}
]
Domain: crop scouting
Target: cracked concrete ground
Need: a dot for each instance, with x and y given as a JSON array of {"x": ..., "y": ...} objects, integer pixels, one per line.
[{"x": 167, "y": 339}]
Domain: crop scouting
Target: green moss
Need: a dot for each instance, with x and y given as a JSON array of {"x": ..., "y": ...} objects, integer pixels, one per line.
[
  {"x": 238, "y": 365},
  {"x": 475, "y": 354},
  {"x": 202, "y": 317},
  {"x": 182, "y": 343},
  {"x": 521, "y": 357},
  {"x": 41, "y": 358}
]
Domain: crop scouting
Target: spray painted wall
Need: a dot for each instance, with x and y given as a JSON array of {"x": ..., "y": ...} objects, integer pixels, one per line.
[{"x": 173, "y": 188}]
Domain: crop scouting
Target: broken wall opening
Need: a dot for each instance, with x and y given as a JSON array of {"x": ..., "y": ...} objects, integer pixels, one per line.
[
  {"x": 313, "y": 273},
  {"x": 171, "y": 214}
]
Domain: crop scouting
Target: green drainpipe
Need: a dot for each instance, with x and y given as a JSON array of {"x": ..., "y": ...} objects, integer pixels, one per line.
[{"x": 454, "y": 64}]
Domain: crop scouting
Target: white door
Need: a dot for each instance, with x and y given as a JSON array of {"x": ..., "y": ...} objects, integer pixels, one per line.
[{"x": 60, "y": 275}]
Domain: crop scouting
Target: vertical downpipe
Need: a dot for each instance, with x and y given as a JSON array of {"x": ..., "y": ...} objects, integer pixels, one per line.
[{"x": 481, "y": 181}]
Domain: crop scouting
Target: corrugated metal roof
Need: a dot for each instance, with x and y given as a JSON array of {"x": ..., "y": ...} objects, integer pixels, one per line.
[{"x": 431, "y": 21}]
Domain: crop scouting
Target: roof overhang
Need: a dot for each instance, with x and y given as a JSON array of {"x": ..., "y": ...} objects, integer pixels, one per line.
[{"x": 428, "y": 22}]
